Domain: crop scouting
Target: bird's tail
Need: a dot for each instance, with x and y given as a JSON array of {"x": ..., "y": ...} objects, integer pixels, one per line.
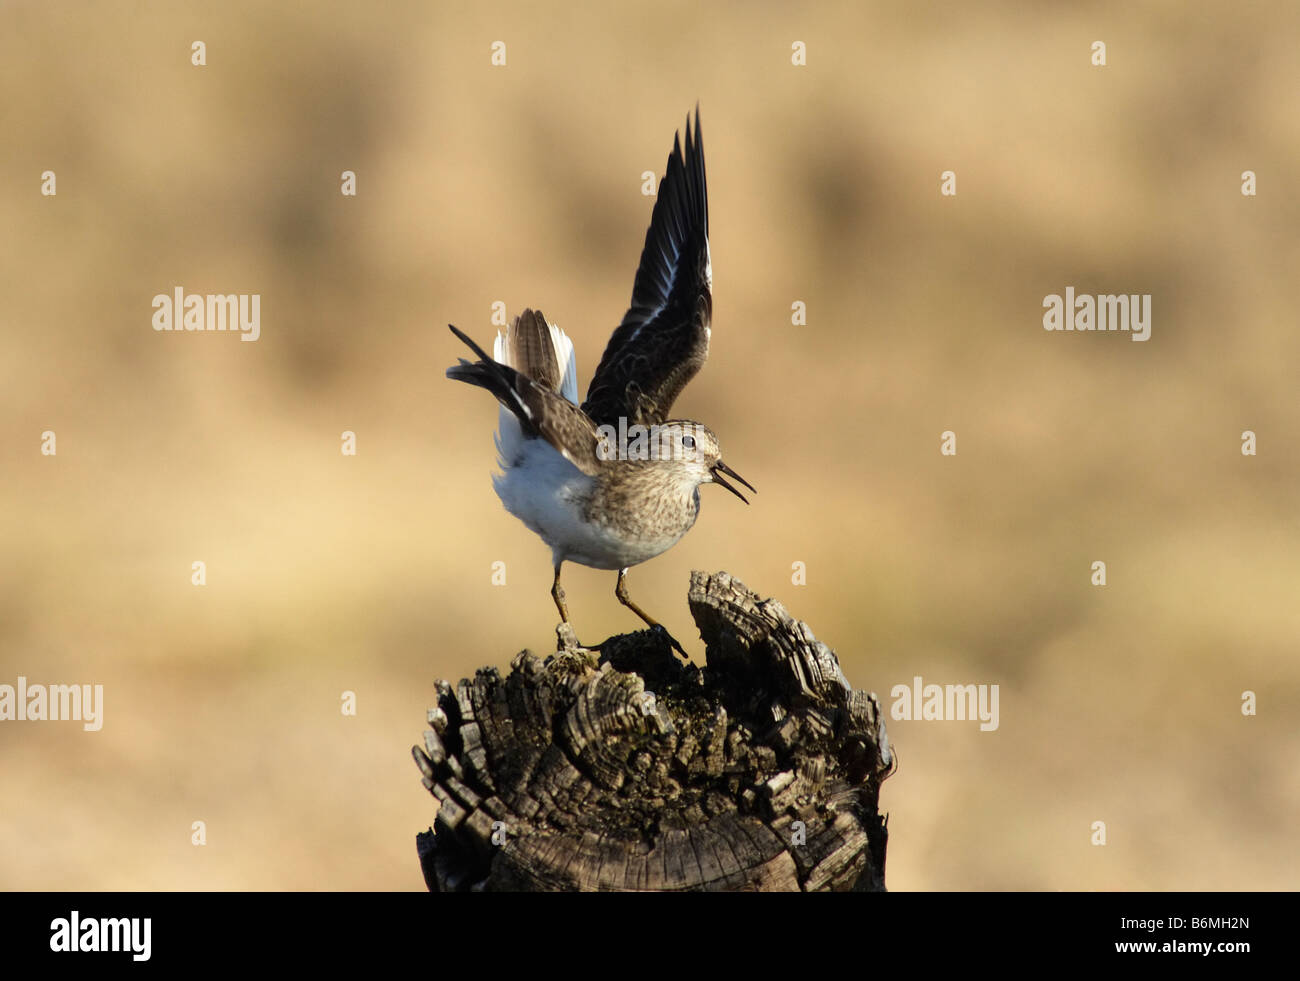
[
  {"x": 531, "y": 347},
  {"x": 540, "y": 350}
]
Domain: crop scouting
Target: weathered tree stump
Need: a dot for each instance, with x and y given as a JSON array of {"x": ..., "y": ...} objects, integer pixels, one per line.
[{"x": 634, "y": 771}]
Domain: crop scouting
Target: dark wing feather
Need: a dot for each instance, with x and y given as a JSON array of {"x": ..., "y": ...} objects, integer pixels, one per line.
[
  {"x": 664, "y": 338},
  {"x": 541, "y": 411}
]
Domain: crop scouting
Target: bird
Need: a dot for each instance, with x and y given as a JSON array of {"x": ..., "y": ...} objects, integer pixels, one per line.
[{"x": 613, "y": 481}]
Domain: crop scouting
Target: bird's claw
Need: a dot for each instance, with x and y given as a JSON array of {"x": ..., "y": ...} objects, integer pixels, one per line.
[
  {"x": 659, "y": 629},
  {"x": 566, "y": 638}
]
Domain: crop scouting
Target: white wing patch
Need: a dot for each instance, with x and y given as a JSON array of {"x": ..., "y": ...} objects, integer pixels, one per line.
[{"x": 567, "y": 362}]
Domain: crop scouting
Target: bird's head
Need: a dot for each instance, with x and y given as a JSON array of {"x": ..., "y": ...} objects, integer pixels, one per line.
[{"x": 694, "y": 445}]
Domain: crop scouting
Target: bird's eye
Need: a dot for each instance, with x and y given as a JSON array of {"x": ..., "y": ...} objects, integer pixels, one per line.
[{"x": 688, "y": 442}]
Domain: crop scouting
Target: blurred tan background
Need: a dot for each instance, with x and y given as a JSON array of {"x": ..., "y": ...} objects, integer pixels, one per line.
[{"x": 521, "y": 184}]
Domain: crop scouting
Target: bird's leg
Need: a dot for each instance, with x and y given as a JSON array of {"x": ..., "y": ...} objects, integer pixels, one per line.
[
  {"x": 557, "y": 594},
  {"x": 620, "y": 590},
  {"x": 565, "y": 637}
]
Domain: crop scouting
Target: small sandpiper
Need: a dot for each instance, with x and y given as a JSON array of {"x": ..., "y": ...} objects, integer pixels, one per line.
[{"x": 614, "y": 482}]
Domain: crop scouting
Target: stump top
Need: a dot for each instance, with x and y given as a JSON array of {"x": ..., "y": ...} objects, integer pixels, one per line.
[{"x": 632, "y": 770}]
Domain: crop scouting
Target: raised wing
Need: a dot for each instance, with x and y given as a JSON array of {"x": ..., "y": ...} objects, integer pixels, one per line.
[{"x": 664, "y": 338}]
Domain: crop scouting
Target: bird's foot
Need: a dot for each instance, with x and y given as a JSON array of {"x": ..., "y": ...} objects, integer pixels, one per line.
[
  {"x": 571, "y": 658},
  {"x": 566, "y": 638},
  {"x": 658, "y": 629}
]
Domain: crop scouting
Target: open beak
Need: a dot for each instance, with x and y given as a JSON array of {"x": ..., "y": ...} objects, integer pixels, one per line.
[{"x": 720, "y": 468}]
